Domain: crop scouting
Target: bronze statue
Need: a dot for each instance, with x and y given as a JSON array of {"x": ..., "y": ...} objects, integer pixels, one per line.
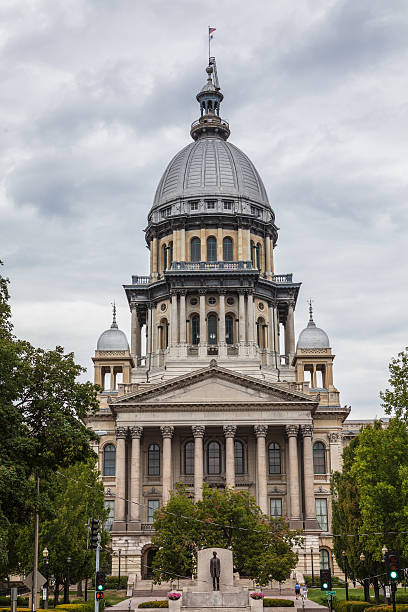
[{"x": 215, "y": 570}]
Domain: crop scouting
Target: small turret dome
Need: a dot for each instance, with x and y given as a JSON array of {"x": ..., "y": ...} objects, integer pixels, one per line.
[
  {"x": 113, "y": 339},
  {"x": 312, "y": 337}
]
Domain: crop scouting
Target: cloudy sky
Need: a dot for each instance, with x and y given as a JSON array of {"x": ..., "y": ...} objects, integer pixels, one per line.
[{"x": 96, "y": 96}]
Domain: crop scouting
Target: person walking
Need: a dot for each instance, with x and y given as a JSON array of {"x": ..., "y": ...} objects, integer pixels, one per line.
[
  {"x": 304, "y": 590},
  {"x": 297, "y": 590}
]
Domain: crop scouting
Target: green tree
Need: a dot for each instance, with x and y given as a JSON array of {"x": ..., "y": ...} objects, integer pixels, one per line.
[
  {"x": 395, "y": 399},
  {"x": 262, "y": 547}
]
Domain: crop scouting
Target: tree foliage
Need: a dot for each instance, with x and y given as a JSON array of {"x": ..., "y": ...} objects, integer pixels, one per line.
[
  {"x": 395, "y": 399},
  {"x": 262, "y": 547}
]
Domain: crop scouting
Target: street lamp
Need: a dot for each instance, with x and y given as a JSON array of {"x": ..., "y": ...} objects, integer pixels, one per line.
[
  {"x": 66, "y": 589},
  {"x": 345, "y": 573},
  {"x": 45, "y": 554},
  {"x": 362, "y": 560},
  {"x": 384, "y": 551},
  {"x": 311, "y": 552},
  {"x": 119, "y": 553}
]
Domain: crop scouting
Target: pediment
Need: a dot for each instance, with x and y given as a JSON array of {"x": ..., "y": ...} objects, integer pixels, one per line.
[{"x": 215, "y": 385}]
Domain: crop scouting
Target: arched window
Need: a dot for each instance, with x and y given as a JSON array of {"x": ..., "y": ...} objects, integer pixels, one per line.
[
  {"x": 189, "y": 458},
  {"x": 164, "y": 334},
  {"x": 274, "y": 458},
  {"x": 164, "y": 247},
  {"x": 212, "y": 329},
  {"x": 227, "y": 251},
  {"x": 195, "y": 329},
  {"x": 211, "y": 249},
  {"x": 260, "y": 332},
  {"x": 324, "y": 559},
  {"x": 239, "y": 455},
  {"x": 319, "y": 458},
  {"x": 170, "y": 249},
  {"x": 153, "y": 460},
  {"x": 213, "y": 458},
  {"x": 195, "y": 249},
  {"x": 229, "y": 329},
  {"x": 109, "y": 460}
]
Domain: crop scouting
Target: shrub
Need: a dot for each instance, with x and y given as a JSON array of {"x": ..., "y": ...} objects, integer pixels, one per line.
[
  {"x": 278, "y": 603},
  {"x": 399, "y": 608},
  {"x": 352, "y": 606},
  {"x": 76, "y": 607},
  {"x": 18, "y": 609},
  {"x": 112, "y": 582},
  {"x": 159, "y": 603}
]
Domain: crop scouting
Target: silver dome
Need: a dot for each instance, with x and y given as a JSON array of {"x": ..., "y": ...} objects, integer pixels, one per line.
[
  {"x": 313, "y": 337},
  {"x": 210, "y": 166},
  {"x": 113, "y": 339}
]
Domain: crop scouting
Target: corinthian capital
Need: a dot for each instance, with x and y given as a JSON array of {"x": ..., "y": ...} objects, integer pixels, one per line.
[
  {"x": 307, "y": 431},
  {"x": 121, "y": 433},
  {"x": 292, "y": 430},
  {"x": 260, "y": 431},
  {"x": 198, "y": 431},
  {"x": 136, "y": 431},
  {"x": 334, "y": 437},
  {"x": 167, "y": 431},
  {"x": 230, "y": 430}
]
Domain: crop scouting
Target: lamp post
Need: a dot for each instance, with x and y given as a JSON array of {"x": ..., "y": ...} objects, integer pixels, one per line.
[
  {"x": 119, "y": 553},
  {"x": 311, "y": 553},
  {"x": 384, "y": 551},
  {"x": 345, "y": 573},
  {"x": 66, "y": 589},
  {"x": 45, "y": 587},
  {"x": 362, "y": 560}
]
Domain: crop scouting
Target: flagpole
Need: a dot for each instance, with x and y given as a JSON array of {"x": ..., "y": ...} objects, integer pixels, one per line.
[{"x": 209, "y": 44}]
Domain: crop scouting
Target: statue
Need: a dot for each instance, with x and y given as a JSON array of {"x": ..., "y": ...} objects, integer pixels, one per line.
[{"x": 215, "y": 570}]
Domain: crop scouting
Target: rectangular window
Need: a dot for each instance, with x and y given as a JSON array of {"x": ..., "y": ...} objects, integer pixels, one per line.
[
  {"x": 165, "y": 212},
  {"x": 109, "y": 505},
  {"x": 227, "y": 205},
  {"x": 194, "y": 205},
  {"x": 321, "y": 513},
  {"x": 275, "y": 507},
  {"x": 210, "y": 204},
  {"x": 255, "y": 211},
  {"x": 152, "y": 505}
]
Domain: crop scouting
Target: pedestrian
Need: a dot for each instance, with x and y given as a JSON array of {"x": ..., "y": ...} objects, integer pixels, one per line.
[
  {"x": 304, "y": 591},
  {"x": 297, "y": 590}
]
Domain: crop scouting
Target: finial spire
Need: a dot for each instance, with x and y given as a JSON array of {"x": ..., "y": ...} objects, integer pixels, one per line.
[
  {"x": 310, "y": 310},
  {"x": 114, "y": 324}
]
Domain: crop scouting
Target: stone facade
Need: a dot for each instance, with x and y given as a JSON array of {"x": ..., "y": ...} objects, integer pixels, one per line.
[{"x": 213, "y": 388}]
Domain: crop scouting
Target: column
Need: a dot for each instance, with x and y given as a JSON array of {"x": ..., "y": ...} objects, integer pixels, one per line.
[
  {"x": 167, "y": 432},
  {"x": 182, "y": 244},
  {"x": 293, "y": 476},
  {"x": 154, "y": 256},
  {"x": 270, "y": 356},
  {"x": 112, "y": 378},
  {"x": 260, "y": 432},
  {"x": 246, "y": 247},
  {"x": 221, "y": 327},
  {"x": 135, "y": 337},
  {"x": 335, "y": 452},
  {"x": 183, "y": 326},
  {"x": 229, "y": 433},
  {"x": 268, "y": 256},
  {"x": 198, "y": 433},
  {"x": 240, "y": 250},
  {"x": 203, "y": 330},
  {"x": 203, "y": 245},
  {"x": 308, "y": 475},
  {"x": 135, "y": 433},
  {"x": 241, "y": 316},
  {"x": 290, "y": 332},
  {"x": 173, "y": 319},
  {"x": 220, "y": 256},
  {"x": 251, "y": 318},
  {"x": 120, "y": 504}
]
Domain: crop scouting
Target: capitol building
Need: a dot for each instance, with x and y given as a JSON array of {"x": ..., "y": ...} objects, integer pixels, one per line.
[{"x": 214, "y": 387}]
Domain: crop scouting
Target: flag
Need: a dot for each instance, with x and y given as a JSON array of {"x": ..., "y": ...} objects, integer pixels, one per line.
[{"x": 210, "y": 31}]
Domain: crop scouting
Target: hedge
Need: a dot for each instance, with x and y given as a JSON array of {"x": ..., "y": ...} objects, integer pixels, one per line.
[
  {"x": 18, "y": 609},
  {"x": 399, "y": 608},
  {"x": 22, "y": 601},
  {"x": 159, "y": 603},
  {"x": 112, "y": 582},
  {"x": 76, "y": 607},
  {"x": 352, "y": 606},
  {"x": 278, "y": 603}
]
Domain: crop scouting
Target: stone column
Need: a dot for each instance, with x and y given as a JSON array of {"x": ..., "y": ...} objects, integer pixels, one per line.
[
  {"x": 221, "y": 338},
  {"x": 241, "y": 317},
  {"x": 290, "y": 333},
  {"x": 229, "y": 433},
  {"x": 271, "y": 336},
  {"x": 198, "y": 433},
  {"x": 293, "y": 476},
  {"x": 183, "y": 326},
  {"x": 268, "y": 257},
  {"x": 154, "y": 257},
  {"x": 246, "y": 247},
  {"x": 135, "y": 433},
  {"x": 251, "y": 318},
  {"x": 120, "y": 504},
  {"x": 167, "y": 432},
  {"x": 112, "y": 378},
  {"x": 308, "y": 474},
  {"x": 182, "y": 244},
  {"x": 261, "y": 487},
  {"x": 173, "y": 319},
  {"x": 335, "y": 451},
  {"x": 203, "y": 328}
]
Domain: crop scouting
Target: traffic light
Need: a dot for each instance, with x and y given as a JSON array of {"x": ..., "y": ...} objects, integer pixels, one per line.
[
  {"x": 325, "y": 580},
  {"x": 100, "y": 579},
  {"x": 93, "y": 539},
  {"x": 392, "y": 565}
]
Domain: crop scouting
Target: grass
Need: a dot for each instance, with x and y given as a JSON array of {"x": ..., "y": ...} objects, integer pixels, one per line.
[{"x": 355, "y": 594}]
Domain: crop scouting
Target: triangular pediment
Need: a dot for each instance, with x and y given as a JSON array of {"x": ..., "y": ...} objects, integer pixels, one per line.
[{"x": 214, "y": 385}]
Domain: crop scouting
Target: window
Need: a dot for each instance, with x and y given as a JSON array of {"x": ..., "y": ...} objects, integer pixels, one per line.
[
  {"x": 195, "y": 249},
  {"x": 213, "y": 458},
  {"x": 258, "y": 256},
  {"x": 153, "y": 460},
  {"x": 211, "y": 249},
  {"x": 212, "y": 329},
  {"x": 239, "y": 457},
  {"x": 109, "y": 505},
  {"x": 274, "y": 458},
  {"x": 253, "y": 256},
  {"x": 321, "y": 513},
  {"x": 260, "y": 332},
  {"x": 211, "y": 205},
  {"x": 189, "y": 458},
  {"x": 109, "y": 460},
  {"x": 165, "y": 212},
  {"x": 170, "y": 249},
  {"x": 256, "y": 211},
  {"x": 195, "y": 329},
  {"x": 152, "y": 506},
  {"x": 229, "y": 329},
  {"x": 227, "y": 253},
  {"x": 227, "y": 205},
  {"x": 194, "y": 205},
  {"x": 275, "y": 505},
  {"x": 319, "y": 458},
  {"x": 164, "y": 257},
  {"x": 324, "y": 559}
]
